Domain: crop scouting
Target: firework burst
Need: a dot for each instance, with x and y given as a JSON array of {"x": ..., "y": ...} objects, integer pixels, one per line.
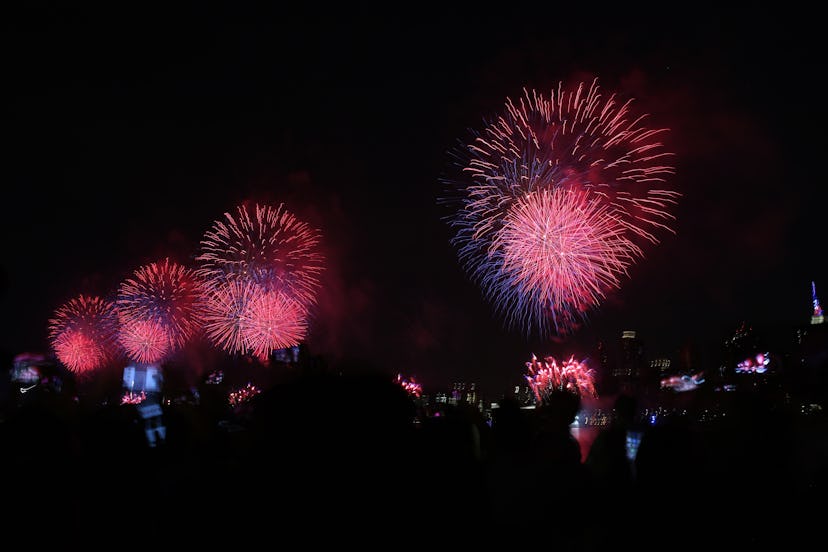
[
  {"x": 82, "y": 333},
  {"x": 226, "y": 305},
  {"x": 572, "y": 140},
  {"x": 145, "y": 341},
  {"x": 272, "y": 321},
  {"x": 558, "y": 253},
  {"x": 165, "y": 297},
  {"x": 241, "y": 317},
  {"x": 265, "y": 245},
  {"x": 548, "y": 375}
]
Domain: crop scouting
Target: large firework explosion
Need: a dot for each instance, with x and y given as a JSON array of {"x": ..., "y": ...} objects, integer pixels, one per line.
[
  {"x": 162, "y": 301},
  {"x": 573, "y": 140},
  {"x": 559, "y": 252},
  {"x": 265, "y": 245},
  {"x": 241, "y": 317},
  {"x": 82, "y": 333},
  {"x": 547, "y": 375}
]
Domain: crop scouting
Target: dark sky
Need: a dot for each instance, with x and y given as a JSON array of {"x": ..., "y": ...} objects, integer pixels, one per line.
[{"x": 127, "y": 132}]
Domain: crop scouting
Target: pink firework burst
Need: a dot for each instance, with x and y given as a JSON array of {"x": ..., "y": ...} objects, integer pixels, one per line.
[
  {"x": 265, "y": 245},
  {"x": 547, "y": 375},
  {"x": 166, "y": 294},
  {"x": 145, "y": 341},
  {"x": 574, "y": 139},
  {"x": 561, "y": 253},
  {"x": 226, "y": 305},
  {"x": 82, "y": 333},
  {"x": 272, "y": 321},
  {"x": 571, "y": 140}
]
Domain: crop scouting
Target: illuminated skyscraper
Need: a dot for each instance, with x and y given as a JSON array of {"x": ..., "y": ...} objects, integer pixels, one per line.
[
  {"x": 816, "y": 317},
  {"x": 632, "y": 356},
  {"x": 627, "y": 370}
]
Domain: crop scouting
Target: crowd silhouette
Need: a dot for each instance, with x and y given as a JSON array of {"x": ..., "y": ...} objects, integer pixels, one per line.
[{"x": 348, "y": 456}]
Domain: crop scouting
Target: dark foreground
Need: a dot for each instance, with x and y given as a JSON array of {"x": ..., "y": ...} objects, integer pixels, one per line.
[{"x": 351, "y": 461}]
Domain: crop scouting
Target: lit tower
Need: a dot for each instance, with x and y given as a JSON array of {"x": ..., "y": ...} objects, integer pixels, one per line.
[
  {"x": 628, "y": 368},
  {"x": 817, "y": 317}
]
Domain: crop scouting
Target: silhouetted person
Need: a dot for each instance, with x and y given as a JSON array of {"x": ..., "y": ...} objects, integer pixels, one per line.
[
  {"x": 609, "y": 459},
  {"x": 611, "y": 470},
  {"x": 449, "y": 465},
  {"x": 553, "y": 434},
  {"x": 549, "y": 483},
  {"x": 332, "y": 459},
  {"x": 566, "y": 487},
  {"x": 39, "y": 463},
  {"x": 511, "y": 430},
  {"x": 671, "y": 482},
  {"x": 507, "y": 459},
  {"x": 752, "y": 464}
]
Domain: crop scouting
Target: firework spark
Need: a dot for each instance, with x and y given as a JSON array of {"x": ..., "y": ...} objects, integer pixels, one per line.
[
  {"x": 572, "y": 140},
  {"x": 245, "y": 394},
  {"x": 82, "y": 333},
  {"x": 547, "y": 375},
  {"x": 268, "y": 246},
  {"x": 133, "y": 398},
  {"x": 166, "y": 296},
  {"x": 411, "y": 386}
]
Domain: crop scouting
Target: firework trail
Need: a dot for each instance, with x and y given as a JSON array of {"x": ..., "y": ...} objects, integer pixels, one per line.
[
  {"x": 572, "y": 140},
  {"x": 161, "y": 297},
  {"x": 547, "y": 375},
  {"x": 265, "y": 245},
  {"x": 82, "y": 333}
]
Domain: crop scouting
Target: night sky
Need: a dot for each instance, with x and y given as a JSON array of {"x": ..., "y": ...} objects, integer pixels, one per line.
[{"x": 128, "y": 132}]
